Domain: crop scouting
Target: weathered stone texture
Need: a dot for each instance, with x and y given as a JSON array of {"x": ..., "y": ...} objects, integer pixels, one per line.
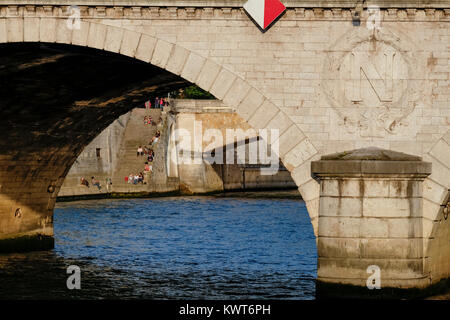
[{"x": 376, "y": 214}]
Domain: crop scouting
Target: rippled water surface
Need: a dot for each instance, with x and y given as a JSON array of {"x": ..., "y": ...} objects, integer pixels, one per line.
[{"x": 172, "y": 248}]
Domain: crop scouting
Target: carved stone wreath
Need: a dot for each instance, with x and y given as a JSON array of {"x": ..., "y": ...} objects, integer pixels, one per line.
[{"x": 389, "y": 58}]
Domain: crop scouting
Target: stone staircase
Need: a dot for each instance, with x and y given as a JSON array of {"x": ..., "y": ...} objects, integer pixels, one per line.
[{"x": 136, "y": 134}]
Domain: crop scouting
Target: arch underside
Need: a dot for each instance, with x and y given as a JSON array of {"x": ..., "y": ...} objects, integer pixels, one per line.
[
  {"x": 182, "y": 66},
  {"x": 54, "y": 99}
]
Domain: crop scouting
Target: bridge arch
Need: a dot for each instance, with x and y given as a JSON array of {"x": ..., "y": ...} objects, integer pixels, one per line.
[
  {"x": 295, "y": 151},
  {"x": 253, "y": 105}
]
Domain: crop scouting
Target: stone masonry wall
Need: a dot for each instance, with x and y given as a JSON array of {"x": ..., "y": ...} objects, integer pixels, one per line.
[{"x": 325, "y": 83}]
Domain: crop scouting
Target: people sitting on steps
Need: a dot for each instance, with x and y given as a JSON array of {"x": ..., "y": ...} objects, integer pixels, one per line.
[
  {"x": 95, "y": 183},
  {"x": 140, "y": 151},
  {"x": 84, "y": 182},
  {"x": 155, "y": 138}
]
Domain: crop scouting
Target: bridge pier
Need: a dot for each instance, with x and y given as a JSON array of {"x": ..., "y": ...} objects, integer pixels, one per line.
[
  {"x": 371, "y": 218},
  {"x": 29, "y": 186}
]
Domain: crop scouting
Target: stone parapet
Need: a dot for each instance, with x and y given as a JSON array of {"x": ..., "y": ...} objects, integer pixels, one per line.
[
  {"x": 227, "y": 10},
  {"x": 198, "y": 106}
]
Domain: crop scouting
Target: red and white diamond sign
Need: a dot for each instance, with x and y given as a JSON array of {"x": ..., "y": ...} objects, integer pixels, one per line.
[{"x": 264, "y": 12}]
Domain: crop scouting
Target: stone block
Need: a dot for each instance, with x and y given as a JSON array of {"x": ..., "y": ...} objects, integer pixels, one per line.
[
  {"x": 434, "y": 191},
  {"x": 31, "y": 29},
  {"x": 3, "y": 32},
  {"x": 237, "y": 93},
  {"x": 440, "y": 173},
  {"x": 130, "y": 42},
  {"x": 193, "y": 66},
  {"x": 47, "y": 30},
  {"x": 350, "y": 187},
  {"x": 430, "y": 209},
  {"x": 406, "y": 273},
  {"x": 309, "y": 190},
  {"x": 177, "y": 60},
  {"x": 97, "y": 36},
  {"x": 222, "y": 83},
  {"x": 14, "y": 27},
  {"x": 113, "y": 39},
  {"x": 441, "y": 151},
  {"x": 281, "y": 122},
  {"x": 63, "y": 34},
  {"x": 405, "y": 188},
  {"x": 338, "y": 247},
  {"x": 342, "y": 207},
  {"x": 145, "y": 48},
  {"x": 405, "y": 227},
  {"x": 299, "y": 154},
  {"x": 80, "y": 36},
  {"x": 446, "y": 137},
  {"x": 329, "y": 187},
  {"x": 376, "y": 188},
  {"x": 339, "y": 227},
  {"x": 313, "y": 210},
  {"x": 386, "y": 207},
  {"x": 302, "y": 173},
  {"x": 208, "y": 75},
  {"x": 392, "y": 248},
  {"x": 263, "y": 115},
  {"x": 374, "y": 228},
  {"x": 250, "y": 104},
  {"x": 289, "y": 139}
]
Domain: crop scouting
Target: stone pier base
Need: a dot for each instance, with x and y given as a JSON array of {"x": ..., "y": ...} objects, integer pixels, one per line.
[
  {"x": 371, "y": 217},
  {"x": 25, "y": 243}
]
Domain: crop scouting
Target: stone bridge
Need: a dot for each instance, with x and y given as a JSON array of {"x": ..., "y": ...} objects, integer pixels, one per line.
[{"x": 326, "y": 79}]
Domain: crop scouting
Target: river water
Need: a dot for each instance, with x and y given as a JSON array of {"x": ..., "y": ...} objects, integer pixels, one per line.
[{"x": 171, "y": 248}]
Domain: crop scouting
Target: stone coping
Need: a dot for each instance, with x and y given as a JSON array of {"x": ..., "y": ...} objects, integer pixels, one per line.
[
  {"x": 371, "y": 160},
  {"x": 235, "y": 3},
  {"x": 370, "y": 167},
  {"x": 371, "y": 153}
]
